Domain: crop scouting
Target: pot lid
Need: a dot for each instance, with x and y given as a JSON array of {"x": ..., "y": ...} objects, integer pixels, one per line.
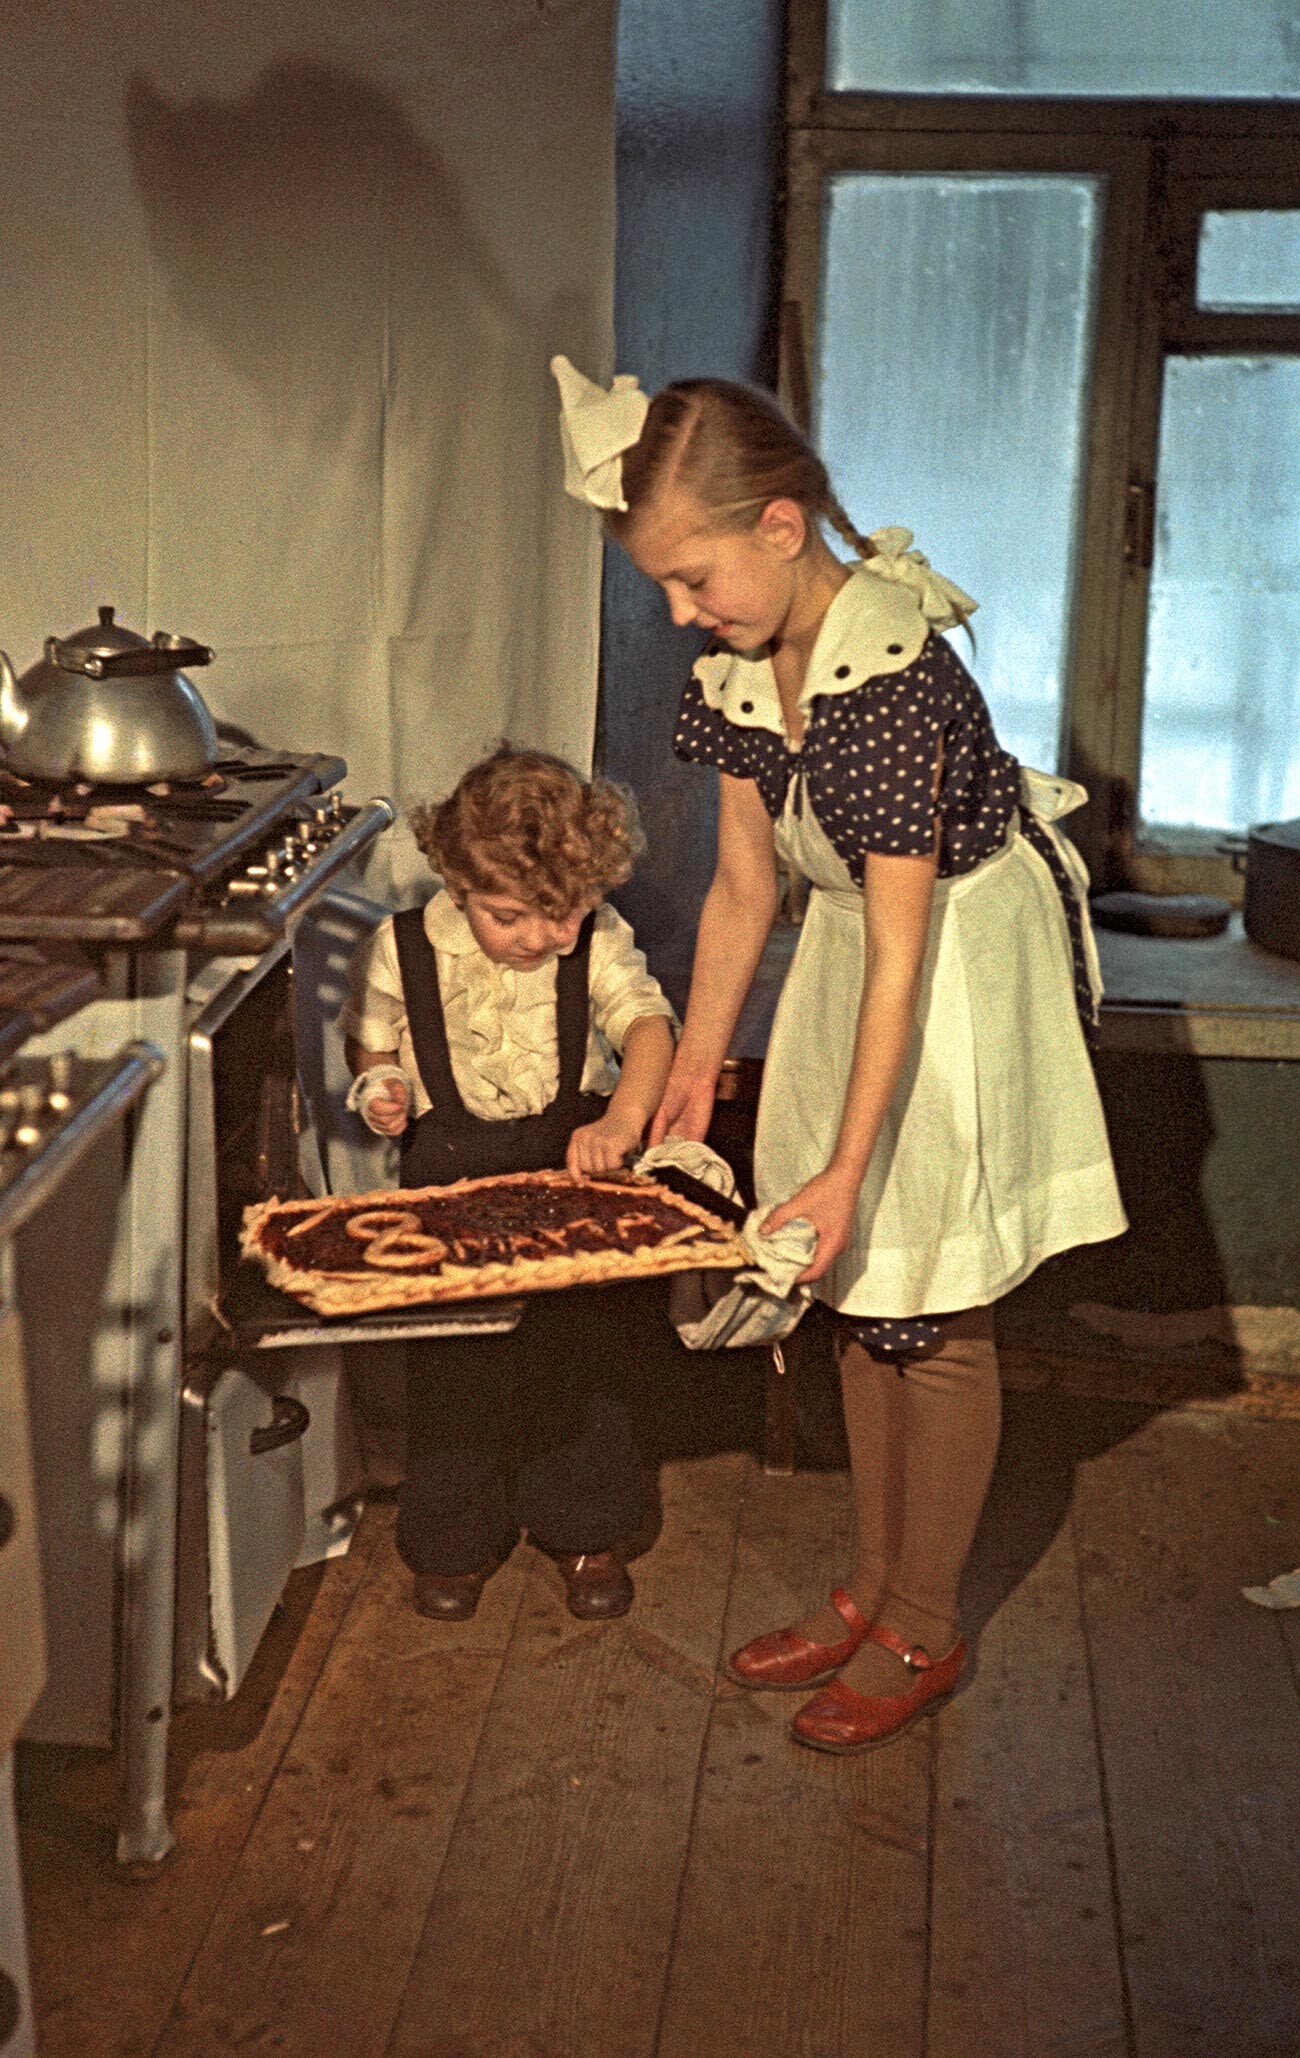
[{"x": 1285, "y": 834}]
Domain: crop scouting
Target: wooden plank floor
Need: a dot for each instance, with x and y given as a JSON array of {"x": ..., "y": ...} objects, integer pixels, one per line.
[{"x": 525, "y": 1837}]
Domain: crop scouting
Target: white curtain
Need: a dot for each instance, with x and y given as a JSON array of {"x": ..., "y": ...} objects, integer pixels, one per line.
[{"x": 278, "y": 288}]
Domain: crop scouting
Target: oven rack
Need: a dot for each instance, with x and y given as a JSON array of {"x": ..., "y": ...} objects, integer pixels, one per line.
[{"x": 254, "y": 1315}]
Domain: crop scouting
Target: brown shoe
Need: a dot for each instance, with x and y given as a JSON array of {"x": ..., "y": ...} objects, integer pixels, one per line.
[
  {"x": 596, "y": 1583},
  {"x": 449, "y": 1596}
]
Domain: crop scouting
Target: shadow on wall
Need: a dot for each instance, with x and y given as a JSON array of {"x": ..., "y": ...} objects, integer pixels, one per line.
[
  {"x": 264, "y": 207},
  {"x": 698, "y": 156},
  {"x": 321, "y": 247}
]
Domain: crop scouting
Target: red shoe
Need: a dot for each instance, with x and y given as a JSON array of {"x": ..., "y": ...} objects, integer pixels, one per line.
[
  {"x": 783, "y": 1659},
  {"x": 840, "y": 1719}
]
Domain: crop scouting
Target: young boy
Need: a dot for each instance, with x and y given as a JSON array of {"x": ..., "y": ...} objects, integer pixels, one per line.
[{"x": 508, "y": 1002}]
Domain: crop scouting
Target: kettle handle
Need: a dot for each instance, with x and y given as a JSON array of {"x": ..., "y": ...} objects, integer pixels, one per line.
[{"x": 166, "y": 655}]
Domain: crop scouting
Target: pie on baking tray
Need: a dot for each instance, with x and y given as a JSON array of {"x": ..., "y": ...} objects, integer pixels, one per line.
[{"x": 522, "y": 1232}]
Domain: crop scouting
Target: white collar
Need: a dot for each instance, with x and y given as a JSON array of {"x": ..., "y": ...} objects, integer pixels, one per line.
[
  {"x": 877, "y": 623},
  {"x": 446, "y": 927}
]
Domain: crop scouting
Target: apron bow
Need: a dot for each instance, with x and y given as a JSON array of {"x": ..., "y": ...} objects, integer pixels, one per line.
[{"x": 1048, "y": 798}]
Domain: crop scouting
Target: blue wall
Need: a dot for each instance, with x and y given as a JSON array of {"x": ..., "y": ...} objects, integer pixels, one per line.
[{"x": 698, "y": 133}]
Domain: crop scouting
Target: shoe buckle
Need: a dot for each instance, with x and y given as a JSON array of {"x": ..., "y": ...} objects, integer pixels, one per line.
[{"x": 913, "y": 1656}]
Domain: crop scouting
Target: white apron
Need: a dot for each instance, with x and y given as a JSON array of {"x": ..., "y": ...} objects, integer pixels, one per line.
[{"x": 993, "y": 1154}]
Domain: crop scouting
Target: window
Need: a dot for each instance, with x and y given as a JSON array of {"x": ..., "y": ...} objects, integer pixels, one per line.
[
  {"x": 1059, "y": 338},
  {"x": 954, "y": 342},
  {"x": 1249, "y": 261},
  {"x": 1099, "y": 48}
]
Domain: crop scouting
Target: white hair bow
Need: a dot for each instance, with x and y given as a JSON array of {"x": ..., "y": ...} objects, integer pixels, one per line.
[
  {"x": 942, "y": 603},
  {"x": 596, "y": 427}
]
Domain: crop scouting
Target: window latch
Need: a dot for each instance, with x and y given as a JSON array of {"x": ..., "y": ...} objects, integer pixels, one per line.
[{"x": 1140, "y": 523}]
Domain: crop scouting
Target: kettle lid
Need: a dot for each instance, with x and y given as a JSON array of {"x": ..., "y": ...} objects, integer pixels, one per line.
[{"x": 101, "y": 639}]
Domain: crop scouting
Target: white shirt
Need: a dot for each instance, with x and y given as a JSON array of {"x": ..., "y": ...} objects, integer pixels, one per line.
[{"x": 501, "y": 1026}]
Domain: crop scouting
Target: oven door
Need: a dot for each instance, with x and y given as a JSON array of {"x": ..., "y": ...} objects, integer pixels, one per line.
[
  {"x": 269, "y": 1464},
  {"x": 22, "y": 1615},
  {"x": 242, "y": 1522},
  {"x": 243, "y": 1121}
]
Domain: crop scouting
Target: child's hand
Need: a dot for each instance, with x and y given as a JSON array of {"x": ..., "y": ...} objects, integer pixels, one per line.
[
  {"x": 602, "y": 1146},
  {"x": 829, "y": 1202},
  {"x": 386, "y": 1110}
]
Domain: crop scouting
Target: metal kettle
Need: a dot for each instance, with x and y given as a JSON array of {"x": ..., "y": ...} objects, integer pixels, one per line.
[{"x": 107, "y": 705}]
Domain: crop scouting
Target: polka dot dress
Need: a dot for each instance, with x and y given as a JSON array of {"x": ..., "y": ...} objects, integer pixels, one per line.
[
  {"x": 867, "y": 766},
  {"x": 868, "y": 763}
]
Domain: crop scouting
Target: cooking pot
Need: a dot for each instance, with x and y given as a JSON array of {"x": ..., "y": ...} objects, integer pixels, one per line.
[
  {"x": 107, "y": 705},
  {"x": 1271, "y": 904}
]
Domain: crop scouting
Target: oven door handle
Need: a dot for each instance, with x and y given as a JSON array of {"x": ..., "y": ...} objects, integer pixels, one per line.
[{"x": 289, "y": 1420}]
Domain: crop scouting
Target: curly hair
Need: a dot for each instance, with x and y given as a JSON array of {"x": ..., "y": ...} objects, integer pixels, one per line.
[{"x": 527, "y": 824}]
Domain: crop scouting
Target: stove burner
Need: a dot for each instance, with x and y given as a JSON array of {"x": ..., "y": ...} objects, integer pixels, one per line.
[{"x": 68, "y": 849}]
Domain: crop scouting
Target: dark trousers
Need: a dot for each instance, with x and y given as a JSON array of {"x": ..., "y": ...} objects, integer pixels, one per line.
[{"x": 524, "y": 1431}]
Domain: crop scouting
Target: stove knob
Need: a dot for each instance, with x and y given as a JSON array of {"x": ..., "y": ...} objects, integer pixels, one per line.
[
  {"x": 32, "y": 1105},
  {"x": 62, "y": 1066}
]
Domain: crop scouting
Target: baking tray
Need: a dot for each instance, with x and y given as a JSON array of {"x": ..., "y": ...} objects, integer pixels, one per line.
[{"x": 254, "y": 1315}]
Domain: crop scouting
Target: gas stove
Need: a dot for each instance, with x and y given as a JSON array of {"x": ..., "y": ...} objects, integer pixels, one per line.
[
  {"x": 219, "y": 864},
  {"x": 151, "y": 928}
]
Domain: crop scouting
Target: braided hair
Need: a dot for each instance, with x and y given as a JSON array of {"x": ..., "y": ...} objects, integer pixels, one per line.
[{"x": 733, "y": 449}]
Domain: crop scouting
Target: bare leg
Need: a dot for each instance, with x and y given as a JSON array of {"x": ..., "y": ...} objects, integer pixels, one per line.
[{"x": 952, "y": 1419}]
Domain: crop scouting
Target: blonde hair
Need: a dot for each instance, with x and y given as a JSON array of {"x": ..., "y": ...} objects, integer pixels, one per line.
[
  {"x": 525, "y": 823},
  {"x": 733, "y": 449}
]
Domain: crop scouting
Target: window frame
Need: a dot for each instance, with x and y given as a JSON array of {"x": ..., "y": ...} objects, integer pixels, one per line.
[{"x": 1162, "y": 163}]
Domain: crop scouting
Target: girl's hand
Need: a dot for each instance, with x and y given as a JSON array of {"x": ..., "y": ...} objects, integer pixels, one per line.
[
  {"x": 602, "y": 1146},
  {"x": 829, "y": 1202},
  {"x": 686, "y": 1108},
  {"x": 386, "y": 1112}
]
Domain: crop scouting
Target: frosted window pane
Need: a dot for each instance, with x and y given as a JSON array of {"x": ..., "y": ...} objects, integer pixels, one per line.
[
  {"x": 1248, "y": 260},
  {"x": 953, "y": 355},
  {"x": 1200, "y": 48},
  {"x": 1221, "y": 727}
]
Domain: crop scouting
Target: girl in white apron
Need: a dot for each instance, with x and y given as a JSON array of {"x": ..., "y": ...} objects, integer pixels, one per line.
[{"x": 928, "y": 1099}]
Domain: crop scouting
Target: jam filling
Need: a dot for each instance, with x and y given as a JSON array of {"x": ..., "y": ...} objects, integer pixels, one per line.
[{"x": 494, "y": 1225}]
